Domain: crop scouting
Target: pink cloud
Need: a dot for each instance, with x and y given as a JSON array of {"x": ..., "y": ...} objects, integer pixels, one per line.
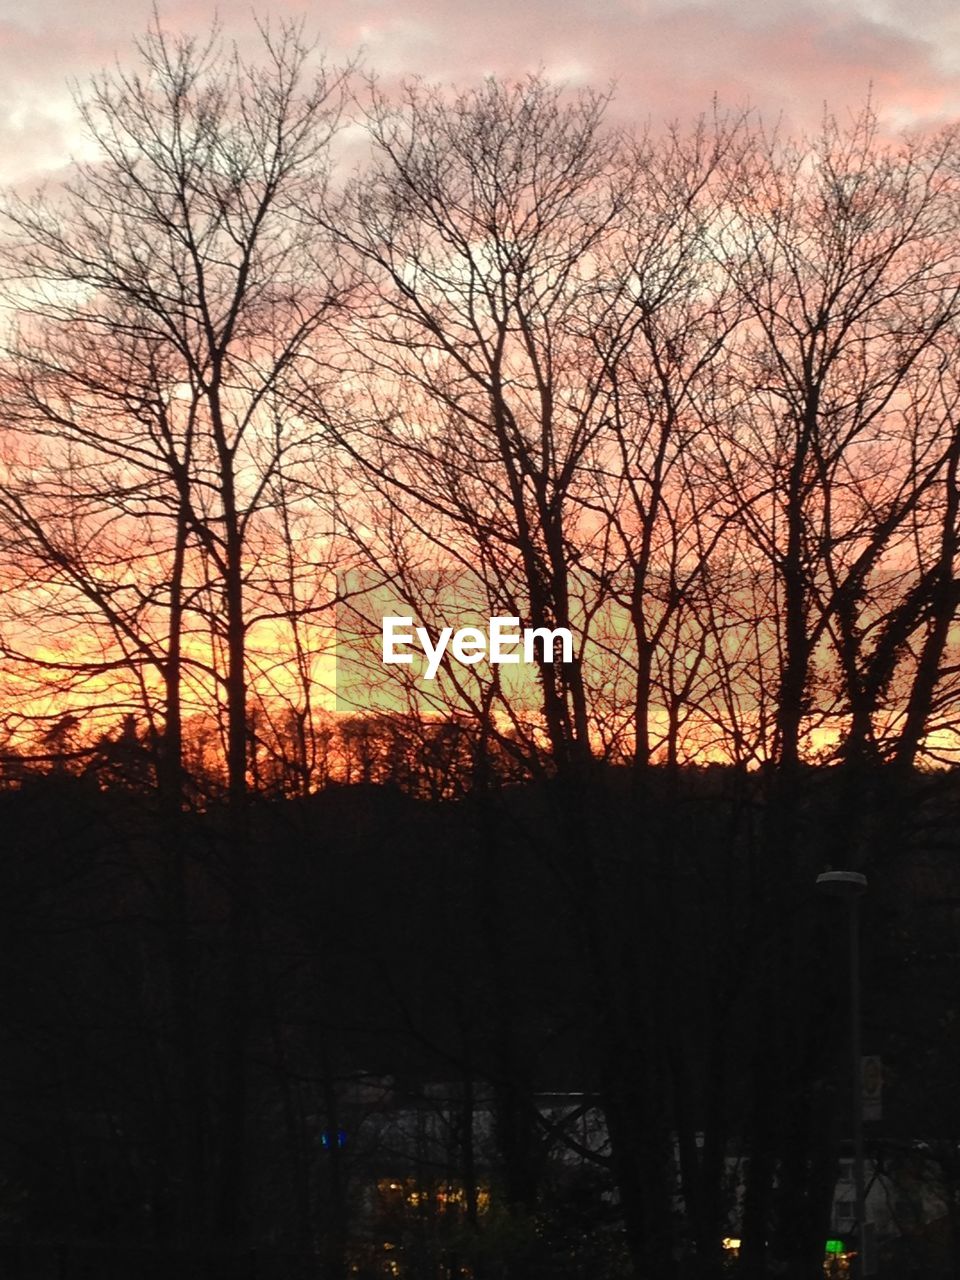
[{"x": 668, "y": 58}]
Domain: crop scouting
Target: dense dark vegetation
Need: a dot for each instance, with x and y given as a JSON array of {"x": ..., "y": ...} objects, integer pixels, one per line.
[{"x": 402, "y": 944}]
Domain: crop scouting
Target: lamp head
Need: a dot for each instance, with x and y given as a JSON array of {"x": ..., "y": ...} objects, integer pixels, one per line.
[{"x": 842, "y": 884}]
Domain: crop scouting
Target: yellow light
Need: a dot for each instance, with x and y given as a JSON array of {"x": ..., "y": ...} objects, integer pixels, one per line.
[{"x": 730, "y": 1242}]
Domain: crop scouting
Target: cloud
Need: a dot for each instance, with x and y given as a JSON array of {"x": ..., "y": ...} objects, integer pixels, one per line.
[{"x": 668, "y": 58}]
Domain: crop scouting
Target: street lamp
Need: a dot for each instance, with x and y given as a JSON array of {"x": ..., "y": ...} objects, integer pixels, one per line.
[{"x": 850, "y": 886}]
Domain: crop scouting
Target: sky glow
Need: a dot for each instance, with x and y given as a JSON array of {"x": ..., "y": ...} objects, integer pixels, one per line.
[
  {"x": 668, "y": 59},
  {"x": 419, "y": 391}
]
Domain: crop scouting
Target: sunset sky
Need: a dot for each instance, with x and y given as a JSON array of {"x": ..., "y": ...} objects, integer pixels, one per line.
[{"x": 667, "y": 57}]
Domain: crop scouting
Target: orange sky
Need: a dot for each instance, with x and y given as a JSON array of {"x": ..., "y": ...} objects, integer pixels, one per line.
[{"x": 667, "y": 57}]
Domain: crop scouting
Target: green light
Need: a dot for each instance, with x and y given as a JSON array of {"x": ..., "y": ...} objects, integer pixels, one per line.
[{"x": 833, "y": 1246}]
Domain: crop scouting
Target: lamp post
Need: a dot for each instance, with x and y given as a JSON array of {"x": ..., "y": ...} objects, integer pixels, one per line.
[{"x": 850, "y": 886}]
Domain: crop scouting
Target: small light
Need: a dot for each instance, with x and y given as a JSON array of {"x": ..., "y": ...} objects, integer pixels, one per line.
[{"x": 833, "y": 1246}]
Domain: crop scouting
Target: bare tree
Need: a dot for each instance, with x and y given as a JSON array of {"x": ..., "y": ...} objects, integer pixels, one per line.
[
  {"x": 477, "y": 227},
  {"x": 843, "y": 432},
  {"x": 530, "y": 357},
  {"x": 161, "y": 298}
]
